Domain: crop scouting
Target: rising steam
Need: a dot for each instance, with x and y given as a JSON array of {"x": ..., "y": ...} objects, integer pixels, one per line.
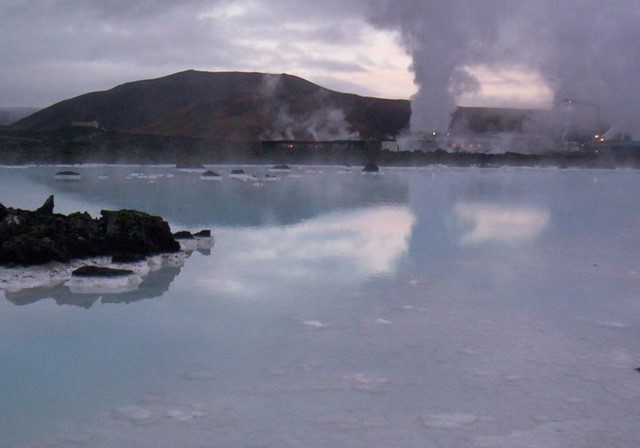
[
  {"x": 586, "y": 50},
  {"x": 324, "y": 124}
]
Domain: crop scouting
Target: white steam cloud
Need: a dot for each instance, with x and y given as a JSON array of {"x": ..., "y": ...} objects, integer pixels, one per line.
[
  {"x": 324, "y": 124},
  {"x": 586, "y": 50}
]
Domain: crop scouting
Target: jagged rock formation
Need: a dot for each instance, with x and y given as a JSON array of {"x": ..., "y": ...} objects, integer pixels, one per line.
[{"x": 40, "y": 236}]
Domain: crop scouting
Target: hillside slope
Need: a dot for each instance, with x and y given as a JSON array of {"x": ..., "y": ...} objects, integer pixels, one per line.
[{"x": 228, "y": 106}]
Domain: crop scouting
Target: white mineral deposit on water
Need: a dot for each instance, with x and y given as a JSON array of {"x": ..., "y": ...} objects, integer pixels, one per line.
[
  {"x": 98, "y": 285},
  {"x": 435, "y": 307}
]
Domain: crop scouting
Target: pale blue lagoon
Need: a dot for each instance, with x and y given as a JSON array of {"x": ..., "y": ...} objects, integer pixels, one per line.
[{"x": 434, "y": 307}]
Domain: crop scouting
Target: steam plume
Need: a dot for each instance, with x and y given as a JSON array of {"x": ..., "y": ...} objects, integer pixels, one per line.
[{"x": 583, "y": 49}]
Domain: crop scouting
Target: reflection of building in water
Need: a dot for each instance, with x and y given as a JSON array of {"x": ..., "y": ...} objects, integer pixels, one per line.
[{"x": 153, "y": 285}]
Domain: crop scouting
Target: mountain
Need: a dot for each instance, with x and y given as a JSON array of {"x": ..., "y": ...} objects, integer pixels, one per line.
[
  {"x": 228, "y": 106},
  {"x": 9, "y": 115}
]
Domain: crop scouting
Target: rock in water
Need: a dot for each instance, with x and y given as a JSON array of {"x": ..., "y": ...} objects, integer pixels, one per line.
[
  {"x": 99, "y": 271},
  {"x": 127, "y": 258},
  {"x": 47, "y": 207},
  {"x": 138, "y": 232},
  {"x": 183, "y": 235},
  {"x": 37, "y": 237},
  {"x": 282, "y": 167},
  {"x": 67, "y": 175},
  {"x": 210, "y": 175},
  {"x": 370, "y": 168}
]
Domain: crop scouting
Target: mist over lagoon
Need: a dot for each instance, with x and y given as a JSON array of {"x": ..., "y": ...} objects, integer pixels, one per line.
[{"x": 432, "y": 306}]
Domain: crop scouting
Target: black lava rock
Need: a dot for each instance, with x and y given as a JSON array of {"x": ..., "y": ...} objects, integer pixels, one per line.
[
  {"x": 98, "y": 271},
  {"x": 183, "y": 235},
  {"x": 47, "y": 207},
  {"x": 37, "y": 237},
  {"x": 127, "y": 258},
  {"x": 134, "y": 231},
  {"x": 203, "y": 234}
]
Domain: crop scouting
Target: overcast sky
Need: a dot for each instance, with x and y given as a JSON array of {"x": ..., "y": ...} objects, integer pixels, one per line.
[
  {"x": 526, "y": 53},
  {"x": 56, "y": 49}
]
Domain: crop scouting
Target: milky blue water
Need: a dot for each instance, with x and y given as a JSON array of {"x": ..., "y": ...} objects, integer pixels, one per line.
[{"x": 434, "y": 307}]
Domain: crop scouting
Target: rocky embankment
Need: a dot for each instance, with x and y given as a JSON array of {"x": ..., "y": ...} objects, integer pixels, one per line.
[{"x": 40, "y": 236}]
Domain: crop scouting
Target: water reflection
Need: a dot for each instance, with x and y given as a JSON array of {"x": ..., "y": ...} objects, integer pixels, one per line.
[
  {"x": 484, "y": 302},
  {"x": 153, "y": 285},
  {"x": 499, "y": 223},
  {"x": 151, "y": 279},
  {"x": 184, "y": 199},
  {"x": 345, "y": 246}
]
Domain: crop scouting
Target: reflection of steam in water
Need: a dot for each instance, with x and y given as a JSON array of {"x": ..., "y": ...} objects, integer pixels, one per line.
[{"x": 494, "y": 223}]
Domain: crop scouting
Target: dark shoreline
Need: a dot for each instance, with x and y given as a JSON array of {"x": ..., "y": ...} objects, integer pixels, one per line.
[{"x": 73, "y": 146}]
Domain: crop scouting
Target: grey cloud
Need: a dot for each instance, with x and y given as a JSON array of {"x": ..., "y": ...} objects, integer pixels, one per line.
[{"x": 69, "y": 47}]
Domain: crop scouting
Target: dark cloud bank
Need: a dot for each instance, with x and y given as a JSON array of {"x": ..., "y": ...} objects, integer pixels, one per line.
[{"x": 588, "y": 50}]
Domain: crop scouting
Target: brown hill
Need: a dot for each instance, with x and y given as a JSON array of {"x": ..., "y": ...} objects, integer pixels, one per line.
[{"x": 228, "y": 106}]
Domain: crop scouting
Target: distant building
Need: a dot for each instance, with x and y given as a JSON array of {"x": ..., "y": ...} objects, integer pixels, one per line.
[
  {"x": 570, "y": 127},
  {"x": 619, "y": 147},
  {"x": 85, "y": 124},
  {"x": 389, "y": 145},
  {"x": 484, "y": 120}
]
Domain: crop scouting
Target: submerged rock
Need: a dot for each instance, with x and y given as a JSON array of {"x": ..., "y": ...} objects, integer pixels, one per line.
[{"x": 41, "y": 236}]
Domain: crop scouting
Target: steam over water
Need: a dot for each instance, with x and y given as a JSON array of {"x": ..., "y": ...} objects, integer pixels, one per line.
[
  {"x": 417, "y": 308},
  {"x": 585, "y": 50}
]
